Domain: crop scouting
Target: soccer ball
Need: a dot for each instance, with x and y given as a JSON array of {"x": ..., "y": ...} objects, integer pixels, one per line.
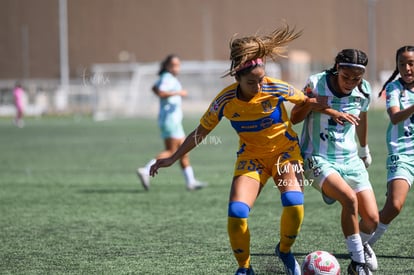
[{"x": 320, "y": 263}]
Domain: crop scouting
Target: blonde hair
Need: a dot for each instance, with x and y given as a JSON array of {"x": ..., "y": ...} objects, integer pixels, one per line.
[{"x": 248, "y": 48}]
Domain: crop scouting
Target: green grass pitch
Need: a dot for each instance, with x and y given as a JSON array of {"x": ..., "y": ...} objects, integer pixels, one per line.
[{"x": 70, "y": 203}]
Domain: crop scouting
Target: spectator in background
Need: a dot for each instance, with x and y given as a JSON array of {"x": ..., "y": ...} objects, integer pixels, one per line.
[
  {"x": 170, "y": 92},
  {"x": 18, "y": 94}
]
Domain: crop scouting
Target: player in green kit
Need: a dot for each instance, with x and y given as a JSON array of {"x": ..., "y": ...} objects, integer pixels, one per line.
[
  {"x": 400, "y": 138},
  {"x": 170, "y": 92},
  {"x": 332, "y": 159}
]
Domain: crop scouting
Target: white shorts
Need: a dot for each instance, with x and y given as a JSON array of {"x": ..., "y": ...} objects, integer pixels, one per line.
[
  {"x": 400, "y": 167},
  {"x": 317, "y": 169}
]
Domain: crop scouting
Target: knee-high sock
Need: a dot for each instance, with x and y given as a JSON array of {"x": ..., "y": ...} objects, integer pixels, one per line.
[
  {"x": 355, "y": 248},
  {"x": 238, "y": 231},
  {"x": 239, "y": 236},
  {"x": 365, "y": 237},
  {"x": 189, "y": 175},
  {"x": 381, "y": 228},
  {"x": 291, "y": 220}
]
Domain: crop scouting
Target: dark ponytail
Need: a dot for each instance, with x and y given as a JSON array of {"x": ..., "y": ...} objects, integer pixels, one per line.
[{"x": 164, "y": 64}]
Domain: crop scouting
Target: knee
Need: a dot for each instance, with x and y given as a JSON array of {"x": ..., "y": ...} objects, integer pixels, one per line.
[
  {"x": 292, "y": 198},
  {"x": 371, "y": 221},
  {"x": 374, "y": 219},
  {"x": 238, "y": 213},
  {"x": 238, "y": 209},
  {"x": 396, "y": 205},
  {"x": 350, "y": 202}
]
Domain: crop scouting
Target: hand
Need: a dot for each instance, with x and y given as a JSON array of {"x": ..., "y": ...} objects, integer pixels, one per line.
[
  {"x": 155, "y": 90},
  {"x": 183, "y": 93},
  {"x": 158, "y": 164},
  {"x": 341, "y": 118},
  {"x": 365, "y": 155}
]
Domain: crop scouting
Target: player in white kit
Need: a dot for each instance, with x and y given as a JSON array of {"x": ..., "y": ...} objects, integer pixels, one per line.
[
  {"x": 170, "y": 92},
  {"x": 332, "y": 160},
  {"x": 400, "y": 138}
]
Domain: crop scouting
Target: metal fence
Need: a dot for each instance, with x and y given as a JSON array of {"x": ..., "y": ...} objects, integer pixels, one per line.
[{"x": 124, "y": 89}]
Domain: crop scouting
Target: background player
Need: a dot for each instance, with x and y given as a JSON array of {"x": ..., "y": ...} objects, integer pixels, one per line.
[
  {"x": 400, "y": 141},
  {"x": 18, "y": 94},
  {"x": 169, "y": 90}
]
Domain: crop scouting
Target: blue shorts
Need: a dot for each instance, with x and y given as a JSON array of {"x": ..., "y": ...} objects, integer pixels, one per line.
[
  {"x": 400, "y": 167},
  {"x": 317, "y": 169}
]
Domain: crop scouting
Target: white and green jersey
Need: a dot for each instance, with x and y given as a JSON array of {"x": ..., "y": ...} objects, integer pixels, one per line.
[
  {"x": 321, "y": 135},
  {"x": 400, "y": 137}
]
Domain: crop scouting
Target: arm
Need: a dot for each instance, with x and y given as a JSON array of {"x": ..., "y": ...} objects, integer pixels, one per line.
[
  {"x": 396, "y": 115},
  {"x": 362, "y": 134},
  {"x": 300, "y": 111},
  {"x": 319, "y": 104},
  {"x": 341, "y": 117},
  {"x": 312, "y": 102},
  {"x": 165, "y": 94},
  {"x": 191, "y": 141},
  {"x": 362, "y": 129}
]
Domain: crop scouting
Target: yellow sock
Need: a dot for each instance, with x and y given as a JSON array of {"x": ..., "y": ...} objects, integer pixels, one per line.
[
  {"x": 239, "y": 236},
  {"x": 290, "y": 223}
]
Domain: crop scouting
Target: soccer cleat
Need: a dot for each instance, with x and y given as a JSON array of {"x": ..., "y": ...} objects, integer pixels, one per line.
[
  {"x": 245, "y": 271},
  {"x": 355, "y": 268},
  {"x": 292, "y": 267},
  {"x": 370, "y": 258},
  {"x": 144, "y": 177},
  {"x": 196, "y": 185}
]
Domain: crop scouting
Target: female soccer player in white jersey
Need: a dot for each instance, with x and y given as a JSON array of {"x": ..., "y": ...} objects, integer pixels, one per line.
[
  {"x": 169, "y": 90},
  {"x": 400, "y": 138},
  {"x": 332, "y": 159},
  {"x": 268, "y": 147}
]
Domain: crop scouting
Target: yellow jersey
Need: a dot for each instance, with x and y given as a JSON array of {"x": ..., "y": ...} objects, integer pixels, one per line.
[{"x": 262, "y": 124}]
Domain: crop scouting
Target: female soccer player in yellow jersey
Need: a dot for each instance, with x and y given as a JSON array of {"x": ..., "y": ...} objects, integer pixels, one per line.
[{"x": 268, "y": 147}]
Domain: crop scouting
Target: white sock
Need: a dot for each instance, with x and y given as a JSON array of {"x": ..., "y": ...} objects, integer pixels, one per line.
[
  {"x": 188, "y": 175},
  {"x": 149, "y": 164},
  {"x": 365, "y": 236},
  {"x": 381, "y": 228},
  {"x": 355, "y": 248}
]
